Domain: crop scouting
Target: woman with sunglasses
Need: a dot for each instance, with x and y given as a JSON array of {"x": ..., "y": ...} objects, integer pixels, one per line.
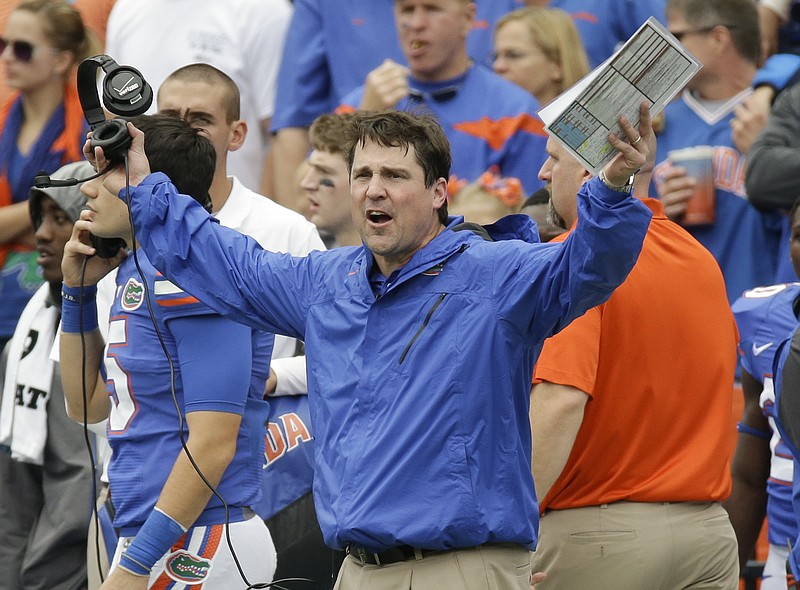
[{"x": 41, "y": 128}]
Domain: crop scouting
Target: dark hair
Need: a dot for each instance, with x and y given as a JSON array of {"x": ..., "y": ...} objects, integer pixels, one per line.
[
  {"x": 64, "y": 27},
  {"x": 740, "y": 17},
  {"x": 208, "y": 74},
  {"x": 404, "y": 130},
  {"x": 327, "y": 132},
  {"x": 180, "y": 151}
]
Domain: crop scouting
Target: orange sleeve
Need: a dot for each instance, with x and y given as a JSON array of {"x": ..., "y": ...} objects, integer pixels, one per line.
[{"x": 571, "y": 356}]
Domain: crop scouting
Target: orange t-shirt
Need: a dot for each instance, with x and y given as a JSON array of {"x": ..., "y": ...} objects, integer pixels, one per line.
[{"x": 657, "y": 360}]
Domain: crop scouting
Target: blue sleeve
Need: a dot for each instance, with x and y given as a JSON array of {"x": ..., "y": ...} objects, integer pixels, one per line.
[
  {"x": 235, "y": 275},
  {"x": 778, "y": 71},
  {"x": 744, "y": 312},
  {"x": 550, "y": 285},
  {"x": 212, "y": 380},
  {"x": 304, "y": 81},
  {"x": 779, "y": 363}
]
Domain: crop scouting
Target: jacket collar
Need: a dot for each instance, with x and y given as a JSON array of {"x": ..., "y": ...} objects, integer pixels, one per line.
[{"x": 445, "y": 245}]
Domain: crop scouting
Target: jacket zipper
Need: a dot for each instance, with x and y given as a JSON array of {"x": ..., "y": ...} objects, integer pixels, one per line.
[{"x": 421, "y": 328}]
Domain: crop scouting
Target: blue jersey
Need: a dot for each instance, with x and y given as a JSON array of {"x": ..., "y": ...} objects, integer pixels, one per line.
[
  {"x": 780, "y": 363},
  {"x": 744, "y": 240},
  {"x": 332, "y": 46},
  {"x": 605, "y": 24},
  {"x": 143, "y": 422},
  {"x": 289, "y": 456},
  {"x": 765, "y": 317},
  {"x": 488, "y": 120}
]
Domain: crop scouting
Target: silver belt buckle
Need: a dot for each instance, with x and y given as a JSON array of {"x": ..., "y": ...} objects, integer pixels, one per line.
[{"x": 362, "y": 555}]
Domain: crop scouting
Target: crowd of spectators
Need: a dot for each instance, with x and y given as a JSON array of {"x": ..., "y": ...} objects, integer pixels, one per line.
[{"x": 275, "y": 84}]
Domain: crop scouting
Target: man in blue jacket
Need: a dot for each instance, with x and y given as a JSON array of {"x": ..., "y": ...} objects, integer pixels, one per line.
[{"x": 420, "y": 344}]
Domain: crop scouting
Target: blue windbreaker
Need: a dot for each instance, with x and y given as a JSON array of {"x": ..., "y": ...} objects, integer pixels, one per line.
[{"x": 420, "y": 394}]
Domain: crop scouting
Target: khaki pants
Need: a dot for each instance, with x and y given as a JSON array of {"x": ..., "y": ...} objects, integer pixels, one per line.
[
  {"x": 488, "y": 567},
  {"x": 636, "y": 546}
]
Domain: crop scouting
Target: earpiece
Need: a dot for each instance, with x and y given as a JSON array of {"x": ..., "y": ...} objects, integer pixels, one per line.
[{"x": 125, "y": 93}]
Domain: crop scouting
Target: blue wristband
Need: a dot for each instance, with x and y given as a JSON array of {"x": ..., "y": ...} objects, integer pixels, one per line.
[
  {"x": 745, "y": 429},
  {"x": 778, "y": 71},
  {"x": 157, "y": 535},
  {"x": 78, "y": 312}
]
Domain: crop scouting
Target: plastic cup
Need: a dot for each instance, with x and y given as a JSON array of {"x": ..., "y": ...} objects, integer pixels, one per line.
[{"x": 698, "y": 162}]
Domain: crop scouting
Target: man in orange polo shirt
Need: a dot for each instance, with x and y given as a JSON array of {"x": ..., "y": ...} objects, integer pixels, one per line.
[{"x": 631, "y": 418}]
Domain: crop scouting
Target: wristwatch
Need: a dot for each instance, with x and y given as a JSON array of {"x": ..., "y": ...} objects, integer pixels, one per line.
[{"x": 625, "y": 188}]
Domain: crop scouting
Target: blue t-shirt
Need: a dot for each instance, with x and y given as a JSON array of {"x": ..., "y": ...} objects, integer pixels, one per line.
[{"x": 765, "y": 318}]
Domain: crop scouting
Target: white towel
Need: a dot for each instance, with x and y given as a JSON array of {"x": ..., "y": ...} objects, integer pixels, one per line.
[{"x": 23, "y": 421}]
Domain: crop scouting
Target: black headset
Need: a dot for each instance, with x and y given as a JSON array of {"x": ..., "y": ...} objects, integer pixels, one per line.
[{"x": 125, "y": 93}]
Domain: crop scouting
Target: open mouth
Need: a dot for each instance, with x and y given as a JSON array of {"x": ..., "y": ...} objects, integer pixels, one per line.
[
  {"x": 416, "y": 46},
  {"x": 378, "y": 217}
]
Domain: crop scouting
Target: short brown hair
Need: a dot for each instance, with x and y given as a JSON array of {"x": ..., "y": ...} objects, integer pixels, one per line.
[
  {"x": 327, "y": 132},
  {"x": 740, "y": 17},
  {"x": 392, "y": 128},
  {"x": 208, "y": 74}
]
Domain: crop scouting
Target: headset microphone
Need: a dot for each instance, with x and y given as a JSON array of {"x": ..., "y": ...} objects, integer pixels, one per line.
[{"x": 43, "y": 180}]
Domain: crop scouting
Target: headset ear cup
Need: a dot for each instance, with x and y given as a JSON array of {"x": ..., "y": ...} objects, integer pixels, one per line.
[
  {"x": 126, "y": 92},
  {"x": 113, "y": 137}
]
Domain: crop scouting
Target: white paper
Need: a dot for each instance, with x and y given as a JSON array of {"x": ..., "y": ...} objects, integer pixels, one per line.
[{"x": 652, "y": 66}]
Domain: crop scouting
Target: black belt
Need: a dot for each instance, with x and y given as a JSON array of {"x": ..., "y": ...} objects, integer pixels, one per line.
[{"x": 392, "y": 555}]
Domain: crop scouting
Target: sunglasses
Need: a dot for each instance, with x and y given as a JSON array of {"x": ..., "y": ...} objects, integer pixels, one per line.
[{"x": 22, "y": 50}]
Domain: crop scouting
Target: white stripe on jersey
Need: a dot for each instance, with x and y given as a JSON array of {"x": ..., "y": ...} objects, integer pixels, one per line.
[{"x": 165, "y": 287}]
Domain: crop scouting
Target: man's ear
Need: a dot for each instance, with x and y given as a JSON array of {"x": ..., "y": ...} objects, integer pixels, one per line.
[
  {"x": 237, "y": 135},
  {"x": 440, "y": 193},
  {"x": 471, "y": 11}
]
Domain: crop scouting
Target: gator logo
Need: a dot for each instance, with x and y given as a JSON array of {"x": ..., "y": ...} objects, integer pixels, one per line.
[
  {"x": 434, "y": 270},
  {"x": 186, "y": 567},
  {"x": 132, "y": 295}
]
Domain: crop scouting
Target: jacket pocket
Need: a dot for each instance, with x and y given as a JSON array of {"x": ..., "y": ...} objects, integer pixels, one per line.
[{"x": 421, "y": 329}]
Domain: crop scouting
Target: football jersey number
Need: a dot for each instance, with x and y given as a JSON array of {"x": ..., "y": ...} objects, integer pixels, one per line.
[
  {"x": 123, "y": 402},
  {"x": 764, "y": 292}
]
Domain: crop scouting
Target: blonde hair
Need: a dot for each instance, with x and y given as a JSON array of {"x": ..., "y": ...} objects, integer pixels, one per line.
[
  {"x": 553, "y": 31},
  {"x": 64, "y": 27}
]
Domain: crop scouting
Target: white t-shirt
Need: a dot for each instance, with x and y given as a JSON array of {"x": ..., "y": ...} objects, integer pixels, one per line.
[
  {"x": 243, "y": 38},
  {"x": 277, "y": 229}
]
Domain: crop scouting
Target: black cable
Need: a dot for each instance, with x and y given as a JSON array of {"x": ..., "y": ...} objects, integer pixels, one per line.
[{"x": 86, "y": 438}]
